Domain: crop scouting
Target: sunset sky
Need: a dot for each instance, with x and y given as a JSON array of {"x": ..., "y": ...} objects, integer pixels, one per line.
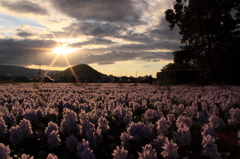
[{"x": 117, "y": 37}]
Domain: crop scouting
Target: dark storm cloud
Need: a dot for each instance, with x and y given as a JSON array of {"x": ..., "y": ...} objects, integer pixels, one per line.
[
  {"x": 115, "y": 56},
  {"x": 151, "y": 46},
  {"x": 166, "y": 45},
  {"x": 96, "y": 29},
  {"x": 94, "y": 41},
  {"x": 105, "y": 10},
  {"x": 135, "y": 37},
  {"x": 24, "y": 52},
  {"x": 24, "y": 34},
  {"x": 23, "y": 6},
  {"x": 162, "y": 31}
]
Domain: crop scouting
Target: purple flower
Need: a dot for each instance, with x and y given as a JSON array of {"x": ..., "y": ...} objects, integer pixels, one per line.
[
  {"x": 159, "y": 142},
  {"x": 215, "y": 121},
  {"x": 71, "y": 142},
  {"x": 201, "y": 117},
  {"x": 3, "y": 127},
  {"x": 120, "y": 153},
  {"x": 84, "y": 150},
  {"x": 209, "y": 147},
  {"x": 69, "y": 123},
  {"x": 147, "y": 153},
  {"x": 30, "y": 114},
  {"x": 170, "y": 118},
  {"x": 208, "y": 130},
  {"x": 125, "y": 137},
  {"x": 4, "y": 151},
  {"x": 137, "y": 130},
  {"x": 191, "y": 110},
  {"x": 15, "y": 134},
  {"x": 183, "y": 119},
  {"x": 162, "y": 126},
  {"x": 238, "y": 134},
  {"x": 123, "y": 114},
  {"x": 178, "y": 109},
  {"x": 51, "y": 156},
  {"x": 24, "y": 156},
  {"x": 53, "y": 139},
  {"x": 26, "y": 128},
  {"x": 150, "y": 114},
  {"x": 103, "y": 124},
  {"x": 135, "y": 105},
  {"x": 51, "y": 127},
  {"x": 234, "y": 112},
  {"x": 183, "y": 135},
  {"x": 170, "y": 150}
]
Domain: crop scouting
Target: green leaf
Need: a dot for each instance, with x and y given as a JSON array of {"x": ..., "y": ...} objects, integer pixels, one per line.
[
  {"x": 41, "y": 125},
  {"x": 238, "y": 117}
]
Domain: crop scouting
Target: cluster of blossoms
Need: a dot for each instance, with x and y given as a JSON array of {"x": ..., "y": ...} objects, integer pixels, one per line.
[
  {"x": 52, "y": 134},
  {"x": 84, "y": 150},
  {"x": 120, "y": 121},
  {"x": 19, "y": 132},
  {"x": 120, "y": 153}
]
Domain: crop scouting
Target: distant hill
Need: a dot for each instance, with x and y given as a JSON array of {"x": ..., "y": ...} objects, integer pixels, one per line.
[
  {"x": 14, "y": 71},
  {"x": 81, "y": 70}
]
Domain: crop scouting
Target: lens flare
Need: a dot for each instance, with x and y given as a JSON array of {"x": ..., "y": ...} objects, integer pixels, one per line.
[{"x": 63, "y": 50}]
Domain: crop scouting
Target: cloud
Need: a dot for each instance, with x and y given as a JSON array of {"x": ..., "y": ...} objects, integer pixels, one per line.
[
  {"x": 96, "y": 29},
  {"x": 103, "y": 10},
  {"x": 156, "y": 45},
  {"x": 24, "y": 52},
  {"x": 23, "y": 6},
  {"x": 86, "y": 28},
  {"x": 162, "y": 31},
  {"x": 24, "y": 34},
  {"x": 93, "y": 41},
  {"x": 116, "y": 56}
]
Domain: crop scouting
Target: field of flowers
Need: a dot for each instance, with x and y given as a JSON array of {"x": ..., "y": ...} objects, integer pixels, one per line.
[{"x": 106, "y": 121}]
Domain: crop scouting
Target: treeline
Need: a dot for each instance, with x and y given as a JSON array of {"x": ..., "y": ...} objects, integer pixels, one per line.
[{"x": 210, "y": 53}]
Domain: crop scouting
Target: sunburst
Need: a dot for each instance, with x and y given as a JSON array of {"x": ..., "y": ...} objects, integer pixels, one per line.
[{"x": 62, "y": 50}]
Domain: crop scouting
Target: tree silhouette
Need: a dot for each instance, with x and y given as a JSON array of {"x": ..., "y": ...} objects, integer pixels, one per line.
[{"x": 210, "y": 30}]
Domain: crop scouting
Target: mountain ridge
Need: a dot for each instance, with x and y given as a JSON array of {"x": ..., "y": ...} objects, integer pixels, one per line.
[
  {"x": 14, "y": 71},
  {"x": 81, "y": 70}
]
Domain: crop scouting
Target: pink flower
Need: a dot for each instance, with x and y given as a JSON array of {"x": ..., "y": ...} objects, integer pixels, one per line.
[
  {"x": 147, "y": 153},
  {"x": 51, "y": 156},
  {"x": 84, "y": 150},
  {"x": 120, "y": 153},
  {"x": 4, "y": 151},
  {"x": 71, "y": 142},
  {"x": 162, "y": 126},
  {"x": 170, "y": 150},
  {"x": 209, "y": 147},
  {"x": 24, "y": 156}
]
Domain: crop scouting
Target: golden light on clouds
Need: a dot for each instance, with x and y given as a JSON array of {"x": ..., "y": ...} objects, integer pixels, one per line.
[{"x": 46, "y": 67}]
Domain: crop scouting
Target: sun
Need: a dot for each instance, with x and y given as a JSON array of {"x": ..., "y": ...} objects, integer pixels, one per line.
[{"x": 62, "y": 50}]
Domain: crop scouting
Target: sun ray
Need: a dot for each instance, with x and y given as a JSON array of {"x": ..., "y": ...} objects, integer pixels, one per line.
[
  {"x": 70, "y": 67},
  {"x": 72, "y": 32},
  {"x": 51, "y": 64},
  {"x": 33, "y": 48},
  {"x": 55, "y": 38}
]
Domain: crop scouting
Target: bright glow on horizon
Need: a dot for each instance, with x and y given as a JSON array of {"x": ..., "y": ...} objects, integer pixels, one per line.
[
  {"x": 62, "y": 50},
  {"x": 45, "y": 67}
]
